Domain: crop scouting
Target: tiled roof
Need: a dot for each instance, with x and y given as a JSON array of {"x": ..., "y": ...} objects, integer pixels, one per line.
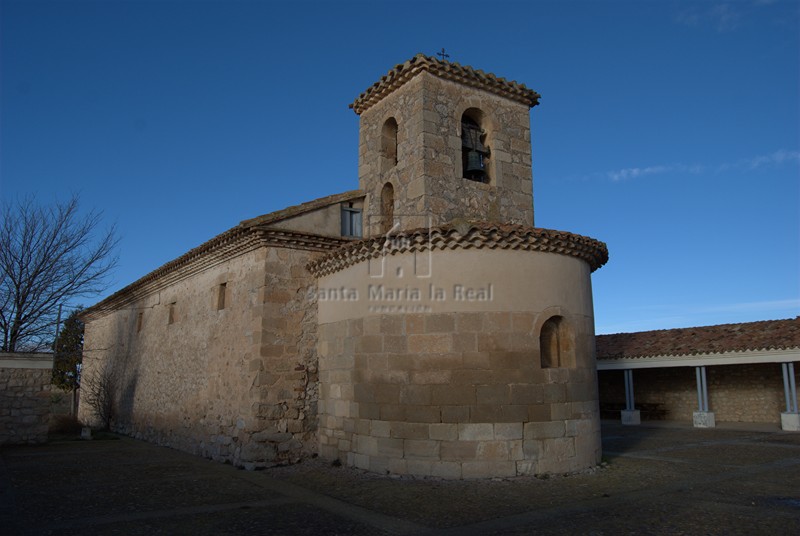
[
  {"x": 296, "y": 210},
  {"x": 248, "y": 235},
  {"x": 764, "y": 335},
  {"x": 474, "y": 235},
  {"x": 464, "y": 74}
]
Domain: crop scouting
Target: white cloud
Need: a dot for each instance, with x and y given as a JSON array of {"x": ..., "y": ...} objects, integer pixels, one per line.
[
  {"x": 634, "y": 173},
  {"x": 723, "y": 16},
  {"x": 776, "y": 158}
]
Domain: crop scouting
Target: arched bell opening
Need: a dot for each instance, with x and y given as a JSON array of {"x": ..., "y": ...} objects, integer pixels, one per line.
[
  {"x": 389, "y": 144},
  {"x": 474, "y": 152}
]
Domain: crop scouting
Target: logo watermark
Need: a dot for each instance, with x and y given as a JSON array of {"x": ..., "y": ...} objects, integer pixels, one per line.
[{"x": 402, "y": 279}]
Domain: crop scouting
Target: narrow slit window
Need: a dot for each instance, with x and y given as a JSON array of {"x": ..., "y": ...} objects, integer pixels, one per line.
[
  {"x": 387, "y": 207},
  {"x": 171, "y": 317},
  {"x": 549, "y": 344},
  {"x": 139, "y": 322},
  {"x": 221, "y": 290}
]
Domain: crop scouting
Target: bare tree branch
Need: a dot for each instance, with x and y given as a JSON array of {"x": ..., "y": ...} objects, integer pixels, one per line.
[{"x": 48, "y": 256}]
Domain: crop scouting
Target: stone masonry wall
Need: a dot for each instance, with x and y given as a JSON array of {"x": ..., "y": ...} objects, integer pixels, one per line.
[
  {"x": 24, "y": 400},
  {"x": 737, "y": 393},
  {"x": 429, "y": 188},
  {"x": 454, "y": 395},
  {"x": 233, "y": 381}
]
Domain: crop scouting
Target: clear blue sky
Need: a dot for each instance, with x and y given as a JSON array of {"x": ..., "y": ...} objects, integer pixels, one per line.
[{"x": 668, "y": 130}]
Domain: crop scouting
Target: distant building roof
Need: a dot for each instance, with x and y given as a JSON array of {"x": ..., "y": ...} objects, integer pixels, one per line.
[
  {"x": 748, "y": 336},
  {"x": 464, "y": 74}
]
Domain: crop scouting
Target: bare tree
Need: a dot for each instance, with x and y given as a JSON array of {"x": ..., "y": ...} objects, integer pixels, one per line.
[
  {"x": 98, "y": 391},
  {"x": 48, "y": 256}
]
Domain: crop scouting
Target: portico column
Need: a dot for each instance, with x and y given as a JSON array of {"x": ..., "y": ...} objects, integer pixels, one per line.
[
  {"x": 790, "y": 419},
  {"x": 702, "y": 418},
  {"x": 630, "y": 415}
]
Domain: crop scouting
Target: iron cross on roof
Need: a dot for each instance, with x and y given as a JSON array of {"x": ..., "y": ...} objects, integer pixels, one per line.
[{"x": 442, "y": 55}]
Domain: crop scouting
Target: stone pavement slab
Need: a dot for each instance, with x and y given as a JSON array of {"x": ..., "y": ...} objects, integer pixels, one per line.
[{"x": 657, "y": 480}]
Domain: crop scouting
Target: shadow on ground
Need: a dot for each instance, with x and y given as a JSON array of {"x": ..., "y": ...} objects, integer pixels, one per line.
[{"x": 659, "y": 480}]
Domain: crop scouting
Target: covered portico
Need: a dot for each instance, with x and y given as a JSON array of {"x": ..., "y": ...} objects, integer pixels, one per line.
[{"x": 731, "y": 372}]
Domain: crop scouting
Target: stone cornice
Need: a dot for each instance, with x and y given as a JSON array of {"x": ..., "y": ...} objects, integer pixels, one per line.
[
  {"x": 475, "y": 236},
  {"x": 230, "y": 244},
  {"x": 466, "y": 75}
]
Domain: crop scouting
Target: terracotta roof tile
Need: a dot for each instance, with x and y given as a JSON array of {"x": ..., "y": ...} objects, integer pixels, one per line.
[
  {"x": 302, "y": 208},
  {"x": 464, "y": 74},
  {"x": 764, "y": 335},
  {"x": 246, "y": 236},
  {"x": 470, "y": 235}
]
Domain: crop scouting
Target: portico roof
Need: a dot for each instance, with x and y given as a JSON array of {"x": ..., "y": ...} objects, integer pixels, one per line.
[{"x": 768, "y": 341}]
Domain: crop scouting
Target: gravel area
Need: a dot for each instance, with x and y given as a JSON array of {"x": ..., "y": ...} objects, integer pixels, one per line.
[{"x": 654, "y": 480}]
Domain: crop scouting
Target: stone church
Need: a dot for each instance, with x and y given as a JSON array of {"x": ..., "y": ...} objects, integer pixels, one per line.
[{"x": 418, "y": 325}]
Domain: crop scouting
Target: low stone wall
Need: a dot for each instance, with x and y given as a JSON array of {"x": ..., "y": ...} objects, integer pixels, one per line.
[
  {"x": 25, "y": 381},
  {"x": 737, "y": 393}
]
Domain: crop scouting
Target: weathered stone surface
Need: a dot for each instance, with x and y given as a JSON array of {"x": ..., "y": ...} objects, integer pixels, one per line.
[
  {"x": 24, "y": 398},
  {"x": 244, "y": 370},
  {"x": 274, "y": 437}
]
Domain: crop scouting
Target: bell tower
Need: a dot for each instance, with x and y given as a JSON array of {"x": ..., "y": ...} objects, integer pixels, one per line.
[{"x": 443, "y": 143}]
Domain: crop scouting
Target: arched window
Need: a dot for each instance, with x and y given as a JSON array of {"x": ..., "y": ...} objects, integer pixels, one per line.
[
  {"x": 389, "y": 144},
  {"x": 387, "y": 207},
  {"x": 555, "y": 344},
  {"x": 474, "y": 154}
]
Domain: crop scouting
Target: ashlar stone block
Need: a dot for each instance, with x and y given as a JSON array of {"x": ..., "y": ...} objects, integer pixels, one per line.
[
  {"x": 449, "y": 470},
  {"x": 544, "y": 430},
  {"x": 443, "y": 431},
  {"x": 488, "y": 469},
  {"x": 421, "y": 448},
  {"x": 476, "y": 431},
  {"x": 508, "y": 431}
]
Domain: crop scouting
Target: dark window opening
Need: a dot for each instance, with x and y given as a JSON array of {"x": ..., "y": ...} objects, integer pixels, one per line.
[
  {"x": 387, "y": 208},
  {"x": 550, "y": 343},
  {"x": 351, "y": 221},
  {"x": 221, "y": 296},
  {"x": 474, "y": 154},
  {"x": 556, "y": 346},
  {"x": 389, "y": 144}
]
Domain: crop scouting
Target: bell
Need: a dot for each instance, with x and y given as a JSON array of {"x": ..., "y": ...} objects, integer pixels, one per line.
[{"x": 474, "y": 165}]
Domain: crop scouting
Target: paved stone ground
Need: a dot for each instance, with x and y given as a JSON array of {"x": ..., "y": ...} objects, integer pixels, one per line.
[{"x": 658, "y": 480}]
